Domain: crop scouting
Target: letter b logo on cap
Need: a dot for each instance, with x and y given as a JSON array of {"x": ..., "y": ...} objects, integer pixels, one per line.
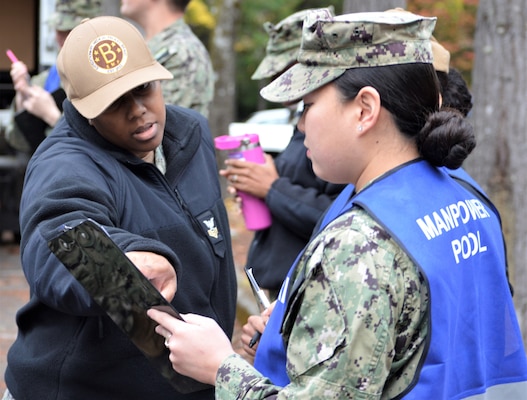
[{"x": 107, "y": 54}]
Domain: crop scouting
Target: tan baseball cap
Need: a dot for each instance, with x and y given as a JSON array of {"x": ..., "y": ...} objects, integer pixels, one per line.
[
  {"x": 441, "y": 56},
  {"x": 102, "y": 59}
]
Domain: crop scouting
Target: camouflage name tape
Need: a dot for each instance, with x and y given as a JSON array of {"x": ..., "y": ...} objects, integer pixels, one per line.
[{"x": 331, "y": 45}]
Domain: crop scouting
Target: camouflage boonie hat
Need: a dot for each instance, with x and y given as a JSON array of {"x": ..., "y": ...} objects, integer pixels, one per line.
[
  {"x": 331, "y": 45},
  {"x": 283, "y": 44},
  {"x": 69, "y": 13}
]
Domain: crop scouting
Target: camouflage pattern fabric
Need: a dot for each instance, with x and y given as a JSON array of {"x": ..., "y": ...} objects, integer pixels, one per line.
[
  {"x": 180, "y": 51},
  {"x": 356, "y": 327},
  {"x": 331, "y": 45},
  {"x": 283, "y": 44},
  {"x": 69, "y": 13}
]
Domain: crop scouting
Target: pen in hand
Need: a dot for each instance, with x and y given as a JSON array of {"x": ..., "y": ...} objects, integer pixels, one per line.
[
  {"x": 255, "y": 339},
  {"x": 14, "y": 59},
  {"x": 262, "y": 299}
]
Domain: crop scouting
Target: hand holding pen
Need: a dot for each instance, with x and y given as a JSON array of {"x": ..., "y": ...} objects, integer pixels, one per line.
[
  {"x": 11, "y": 56},
  {"x": 19, "y": 73},
  {"x": 262, "y": 300}
]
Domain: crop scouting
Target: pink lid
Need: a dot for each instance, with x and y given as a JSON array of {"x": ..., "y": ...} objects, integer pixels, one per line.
[{"x": 227, "y": 142}]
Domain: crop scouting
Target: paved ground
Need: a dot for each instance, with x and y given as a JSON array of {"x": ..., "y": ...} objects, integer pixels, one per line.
[
  {"x": 13, "y": 294},
  {"x": 14, "y": 289}
]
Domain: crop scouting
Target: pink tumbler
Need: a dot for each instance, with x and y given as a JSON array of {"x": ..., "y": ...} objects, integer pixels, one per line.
[{"x": 247, "y": 147}]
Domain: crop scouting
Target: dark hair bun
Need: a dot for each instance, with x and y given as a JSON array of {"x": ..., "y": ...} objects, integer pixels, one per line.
[{"x": 446, "y": 139}]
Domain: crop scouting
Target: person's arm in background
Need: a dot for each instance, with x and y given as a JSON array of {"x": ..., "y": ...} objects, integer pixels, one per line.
[
  {"x": 29, "y": 95},
  {"x": 21, "y": 82}
]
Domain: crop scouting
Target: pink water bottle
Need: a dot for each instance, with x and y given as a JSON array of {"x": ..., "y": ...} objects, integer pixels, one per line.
[{"x": 247, "y": 147}]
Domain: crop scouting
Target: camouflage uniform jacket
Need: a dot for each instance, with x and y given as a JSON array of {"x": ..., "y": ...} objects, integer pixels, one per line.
[
  {"x": 354, "y": 329},
  {"x": 180, "y": 51},
  {"x": 13, "y": 134}
]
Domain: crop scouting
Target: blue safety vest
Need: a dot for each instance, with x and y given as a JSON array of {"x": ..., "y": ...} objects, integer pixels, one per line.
[
  {"x": 475, "y": 342},
  {"x": 53, "y": 80}
]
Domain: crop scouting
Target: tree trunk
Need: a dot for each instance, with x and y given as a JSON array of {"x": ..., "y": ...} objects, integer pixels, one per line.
[
  {"x": 371, "y": 5},
  {"x": 500, "y": 122},
  {"x": 223, "y": 108},
  {"x": 223, "y": 59}
]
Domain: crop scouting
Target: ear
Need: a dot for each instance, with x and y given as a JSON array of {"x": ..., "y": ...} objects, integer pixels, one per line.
[{"x": 369, "y": 101}]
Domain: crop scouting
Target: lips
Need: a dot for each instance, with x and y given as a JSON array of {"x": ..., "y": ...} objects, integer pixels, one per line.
[{"x": 146, "y": 132}]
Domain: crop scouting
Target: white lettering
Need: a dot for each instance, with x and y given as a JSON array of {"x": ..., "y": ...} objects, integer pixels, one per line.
[
  {"x": 454, "y": 212},
  {"x": 428, "y": 227},
  {"x": 463, "y": 211},
  {"x": 456, "y": 248},
  {"x": 468, "y": 246},
  {"x": 440, "y": 223},
  {"x": 449, "y": 217},
  {"x": 480, "y": 208}
]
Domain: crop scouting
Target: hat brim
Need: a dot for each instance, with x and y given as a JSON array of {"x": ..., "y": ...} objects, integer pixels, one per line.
[
  {"x": 94, "y": 104},
  {"x": 298, "y": 81},
  {"x": 274, "y": 64}
]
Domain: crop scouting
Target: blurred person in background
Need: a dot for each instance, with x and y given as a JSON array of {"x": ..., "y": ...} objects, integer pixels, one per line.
[
  {"x": 177, "y": 48},
  {"x": 35, "y": 95},
  {"x": 293, "y": 193}
]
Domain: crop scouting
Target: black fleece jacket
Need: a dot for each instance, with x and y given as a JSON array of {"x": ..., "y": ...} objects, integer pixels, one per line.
[{"x": 67, "y": 348}]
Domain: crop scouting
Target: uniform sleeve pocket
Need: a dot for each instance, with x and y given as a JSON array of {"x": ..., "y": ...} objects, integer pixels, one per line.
[{"x": 316, "y": 331}]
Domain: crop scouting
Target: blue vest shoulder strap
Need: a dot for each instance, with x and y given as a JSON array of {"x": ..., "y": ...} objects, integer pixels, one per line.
[{"x": 53, "y": 80}]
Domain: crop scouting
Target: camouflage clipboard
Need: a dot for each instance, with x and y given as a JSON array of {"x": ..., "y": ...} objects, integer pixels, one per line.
[{"x": 122, "y": 291}]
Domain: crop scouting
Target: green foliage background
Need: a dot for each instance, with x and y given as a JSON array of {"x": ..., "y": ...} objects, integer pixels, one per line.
[
  {"x": 250, "y": 46},
  {"x": 454, "y": 30}
]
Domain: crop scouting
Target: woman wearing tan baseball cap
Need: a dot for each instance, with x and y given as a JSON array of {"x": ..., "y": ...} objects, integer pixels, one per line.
[
  {"x": 96, "y": 67},
  {"x": 146, "y": 172}
]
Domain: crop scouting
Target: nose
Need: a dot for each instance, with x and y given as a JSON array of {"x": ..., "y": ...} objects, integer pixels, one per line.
[{"x": 135, "y": 106}]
